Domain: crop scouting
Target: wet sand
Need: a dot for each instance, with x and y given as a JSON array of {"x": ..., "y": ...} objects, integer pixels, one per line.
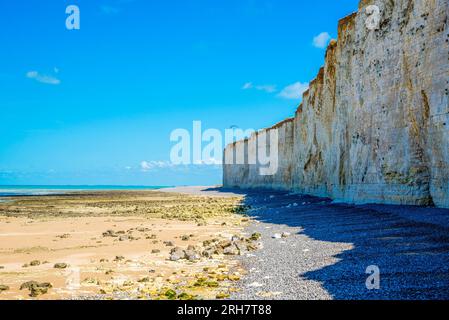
[{"x": 117, "y": 244}]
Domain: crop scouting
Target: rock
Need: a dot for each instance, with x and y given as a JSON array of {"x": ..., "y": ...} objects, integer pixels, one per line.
[
  {"x": 170, "y": 294},
  {"x": 185, "y": 238},
  {"x": 35, "y": 263},
  {"x": 255, "y": 236},
  {"x": 154, "y": 251},
  {"x": 207, "y": 253},
  {"x": 60, "y": 266},
  {"x": 146, "y": 279},
  {"x": 225, "y": 244},
  {"x": 28, "y": 285},
  {"x": 236, "y": 238},
  {"x": 232, "y": 250},
  {"x": 36, "y": 288},
  {"x": 110, "y": 233},
  {"x": 192, "y": 255},
  {"x": 277, "y": 236},
  {"x": 286, "y": 234},
  {"x": 119, "y": 258},
  {"x": 123, "y": 238},
  {"x": 222, "y": 295},
  {"x": 91, "y": 281},
  {"x": 3, "y": 288},
  {"x": 177, "y": 254},
  {"x": 169, "y": 243}
]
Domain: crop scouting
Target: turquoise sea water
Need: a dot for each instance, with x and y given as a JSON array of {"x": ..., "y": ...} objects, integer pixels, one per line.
[{"x": 9, "y": 191}]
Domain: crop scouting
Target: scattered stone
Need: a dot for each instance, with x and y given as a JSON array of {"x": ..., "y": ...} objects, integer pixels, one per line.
[
  {"x": 192, "y": 255},
  {"x": 222, "y": 295},
  {"x": 35, "y": 263},
  {"x": 185, "y": 238},
  {"x": 119, "y": 258},
  {"x": 286, "y": 234},
  {"x": 3, "y": 288},
  {"x": 154, "y": 251},
  {"x": 231, "y": 250},
  {"x": 170, "y": 294},
  {"x": 60, "y": 266},
  {"x": 169, "y": 243},
  {"x": 177, "y": 254},
  {"x": 255, "y": 236},
  {"x": 91, "y": 281},
  {"x": 124, "y": 238},
  {"x": 110, "y": 233},
  {"x": 277, "y": 236},
  {"x": 36, "y": 288},
  {"x": 146, "y": 279}
]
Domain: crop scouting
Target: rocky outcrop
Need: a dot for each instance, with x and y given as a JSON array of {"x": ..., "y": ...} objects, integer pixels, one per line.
[{"x": 374, "y": 124}]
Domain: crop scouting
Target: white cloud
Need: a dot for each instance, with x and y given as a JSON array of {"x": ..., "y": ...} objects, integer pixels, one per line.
[
  {"x": 43, "y": 78},
  {"x": 248, "y": 85},
  {"x": 321, "y": 40},
  {"x": 147, "y": 166},
  {"x": 269, "y": 88},
  {"x": 294, "y": 91},
  {"x": 150, "y": 165}
]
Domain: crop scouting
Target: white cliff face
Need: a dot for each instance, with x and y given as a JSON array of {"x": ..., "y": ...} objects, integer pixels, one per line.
[{"x": 374, "y": 125}]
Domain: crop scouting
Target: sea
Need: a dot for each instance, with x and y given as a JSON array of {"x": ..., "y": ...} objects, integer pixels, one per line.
[{"x": 22, "y": 190}]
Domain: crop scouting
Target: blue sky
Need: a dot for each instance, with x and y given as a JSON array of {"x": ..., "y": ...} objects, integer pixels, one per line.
[{"x": 89, "y": 106}]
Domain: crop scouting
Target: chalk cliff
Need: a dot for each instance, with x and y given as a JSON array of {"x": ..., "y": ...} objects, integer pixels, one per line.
[{"x": 374, "y": 124}]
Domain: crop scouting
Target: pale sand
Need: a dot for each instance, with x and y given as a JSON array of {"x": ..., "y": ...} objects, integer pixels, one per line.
[
  {"x": 69, "y": 229},
  {"x": 209, "y": 191}
]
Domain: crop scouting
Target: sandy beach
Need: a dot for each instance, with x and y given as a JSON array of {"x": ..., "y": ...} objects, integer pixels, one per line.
[{"x": 121, "y": 245}]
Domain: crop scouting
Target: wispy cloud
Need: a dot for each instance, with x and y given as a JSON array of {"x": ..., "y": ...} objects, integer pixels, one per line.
[
  {"x": 151, "y": 165},
  {"x": 294, "y": 91},
  {"x": 148, "y": 166},
  {"x": 269, "y": 88},
  {"x": 321, "y": 40},
  {"x": 43, "y": 78}
]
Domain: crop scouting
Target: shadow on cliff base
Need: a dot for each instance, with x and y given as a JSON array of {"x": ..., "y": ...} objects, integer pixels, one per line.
[{"x": 410, "y": 245}]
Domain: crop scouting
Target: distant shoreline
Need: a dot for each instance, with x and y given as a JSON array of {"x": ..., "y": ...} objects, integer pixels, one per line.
[{"x": 42, "y": 190}]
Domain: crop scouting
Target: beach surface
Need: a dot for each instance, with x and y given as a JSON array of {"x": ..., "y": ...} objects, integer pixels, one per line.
[
  {"x": 119, "y": 245},
  {"x": 296, "y": 246}
]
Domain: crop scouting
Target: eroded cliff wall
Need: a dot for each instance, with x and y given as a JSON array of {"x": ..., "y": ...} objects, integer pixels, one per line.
[{"x": 374, "y": 124}]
